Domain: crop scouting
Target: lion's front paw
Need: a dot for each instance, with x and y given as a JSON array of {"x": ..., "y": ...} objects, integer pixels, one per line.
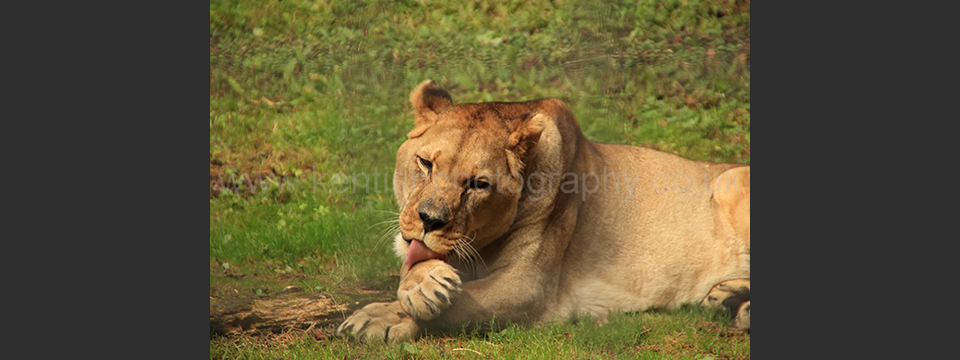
[
  {"x": 428, "y": 288},
  {"x": 377, "y": 322}
]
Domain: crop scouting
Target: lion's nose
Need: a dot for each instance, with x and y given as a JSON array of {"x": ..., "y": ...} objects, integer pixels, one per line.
[{"x": 431, "y": 223}]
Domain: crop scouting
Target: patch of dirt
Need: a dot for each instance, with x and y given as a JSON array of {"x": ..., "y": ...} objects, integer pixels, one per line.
[
  {"x": 313, "y": 312},
  {"x": 237, "y": 316}
]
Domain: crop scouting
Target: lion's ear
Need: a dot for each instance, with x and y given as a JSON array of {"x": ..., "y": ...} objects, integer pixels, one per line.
[
  {"x": 526, "y": 134},
  {"x": 428, "y": 100}
]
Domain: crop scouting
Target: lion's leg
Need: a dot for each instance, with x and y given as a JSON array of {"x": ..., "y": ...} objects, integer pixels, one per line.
[
  {"x": 735, "y": 296},
  {"x": 425, "y": 290},
  {"x": 505, "y": 296},
  {"x": 731, "y": 192},
  {"x": 428, "y": 288}
]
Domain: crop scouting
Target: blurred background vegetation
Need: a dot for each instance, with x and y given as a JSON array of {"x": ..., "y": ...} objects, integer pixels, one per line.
[{"x": 309, "y": 103}]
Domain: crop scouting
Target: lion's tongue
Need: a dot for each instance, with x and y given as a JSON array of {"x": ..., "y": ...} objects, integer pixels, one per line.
[{"x": 418, "y": 252}]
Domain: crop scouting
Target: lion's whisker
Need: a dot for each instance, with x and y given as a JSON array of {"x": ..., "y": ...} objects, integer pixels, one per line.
[
  {"x": 471, "y": 252},
  {"x": 390, "y": 221},
  {"x": 477, "y": 253},
  {"x": 462, "y": 255},
  {"x": 392, "y": 226}
]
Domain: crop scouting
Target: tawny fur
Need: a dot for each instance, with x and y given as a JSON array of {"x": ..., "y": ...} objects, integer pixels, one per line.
[{"x": 638, "y": 229}]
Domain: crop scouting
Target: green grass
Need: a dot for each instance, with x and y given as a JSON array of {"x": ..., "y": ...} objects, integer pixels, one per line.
[
  {"x": 309, "y": 102},
  {"x": 692, "y": 333}
]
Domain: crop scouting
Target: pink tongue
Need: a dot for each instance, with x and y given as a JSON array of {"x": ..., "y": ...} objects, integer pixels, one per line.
[{"x": 418, "y": 252}]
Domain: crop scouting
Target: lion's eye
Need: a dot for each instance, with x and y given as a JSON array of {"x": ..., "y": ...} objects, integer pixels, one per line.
[
  {"x": 479, "y": 184},
  {"x": 426, "y": 164}
]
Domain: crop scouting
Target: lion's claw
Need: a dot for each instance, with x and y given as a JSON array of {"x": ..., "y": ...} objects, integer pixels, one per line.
[{"x": 376, "y": 322}]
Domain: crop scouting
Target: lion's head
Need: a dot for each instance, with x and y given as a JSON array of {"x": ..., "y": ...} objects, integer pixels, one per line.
[{"x": 459, "y": 174}]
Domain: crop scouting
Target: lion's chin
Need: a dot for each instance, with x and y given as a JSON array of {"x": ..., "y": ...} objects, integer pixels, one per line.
[{"x": 418, "y": 252}]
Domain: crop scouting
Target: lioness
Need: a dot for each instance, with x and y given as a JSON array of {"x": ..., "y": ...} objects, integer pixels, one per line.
[{"x": 508, "y": 213}]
